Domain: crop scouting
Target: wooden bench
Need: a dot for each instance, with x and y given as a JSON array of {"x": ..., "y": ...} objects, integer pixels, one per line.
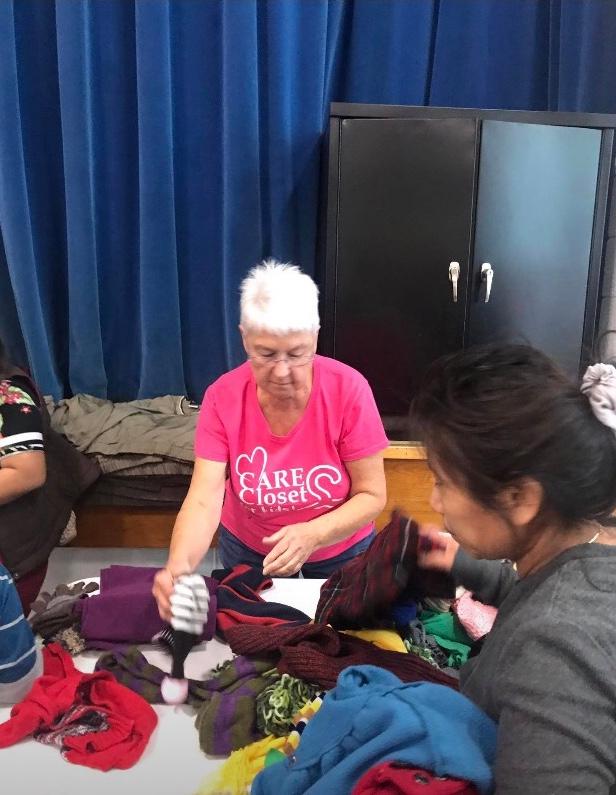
[{"x": 409, "y": 484}]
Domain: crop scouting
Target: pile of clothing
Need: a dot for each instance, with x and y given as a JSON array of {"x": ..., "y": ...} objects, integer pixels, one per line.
[
  {"x": 371, "y": 733},
  {"x": 120, "y": 611},
  {"x": 361, "y": 699},
  {"x": 144, "y": 447},
  {"x": 93, "y": 719},
  {"x": 385, "y": 647}
]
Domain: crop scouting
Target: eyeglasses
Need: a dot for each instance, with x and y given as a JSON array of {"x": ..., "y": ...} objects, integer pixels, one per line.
[{"x": 272, "y": 359}]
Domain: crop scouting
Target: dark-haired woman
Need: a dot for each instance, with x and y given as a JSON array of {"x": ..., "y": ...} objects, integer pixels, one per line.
[
  {"x": 22, "y": 463},
  {"x": 525, "y": 470},
  {"x": 41, "y": 475}
]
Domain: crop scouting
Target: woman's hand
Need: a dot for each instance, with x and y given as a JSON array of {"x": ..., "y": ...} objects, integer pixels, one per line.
[
  {"x": 194, "y": 529},
  {"x": 162, "y": 590},
  {"x": 436, "y": 549},
  {"x": 292, "y": 546}
]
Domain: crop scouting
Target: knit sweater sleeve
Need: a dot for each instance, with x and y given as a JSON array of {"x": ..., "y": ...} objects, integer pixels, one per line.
[
  {"x": 556, "y": 730},
  {"x": 489, "y": 580}
]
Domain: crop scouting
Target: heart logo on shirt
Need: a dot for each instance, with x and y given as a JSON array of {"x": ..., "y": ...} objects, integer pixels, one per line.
[
  {"x": 246, "y": 467},
  {"x": 317, "y": 479},
  {"x": 318, "y": 474}
]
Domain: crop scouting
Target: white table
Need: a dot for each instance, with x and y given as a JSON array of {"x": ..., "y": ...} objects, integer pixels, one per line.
[{"x": 172, "y": 764}]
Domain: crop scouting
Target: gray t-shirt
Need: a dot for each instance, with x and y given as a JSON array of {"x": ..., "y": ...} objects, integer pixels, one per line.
[{"x": 547, "y": 671}]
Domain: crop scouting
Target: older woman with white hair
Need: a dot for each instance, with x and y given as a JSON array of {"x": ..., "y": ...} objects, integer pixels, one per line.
[{"x": 288, "y": 449}]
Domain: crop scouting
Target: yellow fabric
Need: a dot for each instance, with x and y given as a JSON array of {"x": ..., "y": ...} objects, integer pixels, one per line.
[
  {"x": 306, "y": 713},
  {"x": 238, "y": 772},
  {"x": 383, "y": 638},
  {"x": 235, "y": 777}
]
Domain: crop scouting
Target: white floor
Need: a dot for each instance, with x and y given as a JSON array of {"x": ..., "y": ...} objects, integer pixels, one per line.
[{"x": 68, "y": 564}]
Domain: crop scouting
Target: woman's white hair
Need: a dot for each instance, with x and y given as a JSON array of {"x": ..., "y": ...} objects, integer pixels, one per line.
[{"x": 278, "y": 298}]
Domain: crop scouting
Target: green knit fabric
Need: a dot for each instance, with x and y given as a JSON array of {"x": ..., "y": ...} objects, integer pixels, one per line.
[
  {"x": 449, "y": 634},
  {"x": 421, "y": 651},
  {"x": 280, "y": 701}
]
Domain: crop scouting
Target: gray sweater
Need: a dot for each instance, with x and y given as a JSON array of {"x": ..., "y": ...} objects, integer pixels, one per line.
[{"x": 547, "y": 671}]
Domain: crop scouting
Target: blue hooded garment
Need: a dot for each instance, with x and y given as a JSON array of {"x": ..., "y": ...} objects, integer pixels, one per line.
[{"x": 372, "y": 717}]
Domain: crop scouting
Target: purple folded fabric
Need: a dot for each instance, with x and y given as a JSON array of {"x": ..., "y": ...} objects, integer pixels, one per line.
[{"x": 125, "y": 611}]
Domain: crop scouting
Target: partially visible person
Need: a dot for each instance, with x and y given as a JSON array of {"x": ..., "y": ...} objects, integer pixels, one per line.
[
  {"x": 22, "y": 459},
  {"x": 525, "y": 471},
  {"x": 21, "y": 662},
  {"x": 288, "y": 449},
  {"x": 41, "y": 475}
]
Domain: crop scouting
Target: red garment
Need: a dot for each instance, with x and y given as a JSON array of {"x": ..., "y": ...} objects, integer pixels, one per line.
[
  {"x": 391, "y": 778},
  {"x": 62, "y": 687},
  {"x": 318, "y": 653}
]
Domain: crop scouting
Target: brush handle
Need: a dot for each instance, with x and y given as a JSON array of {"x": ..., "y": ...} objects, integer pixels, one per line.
[
  {"x": 190, "y": 603},
  {"x": 182, "y": 644}
]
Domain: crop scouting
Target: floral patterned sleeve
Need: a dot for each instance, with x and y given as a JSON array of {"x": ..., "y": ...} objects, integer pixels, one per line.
[{"x": 21, "y": 428}]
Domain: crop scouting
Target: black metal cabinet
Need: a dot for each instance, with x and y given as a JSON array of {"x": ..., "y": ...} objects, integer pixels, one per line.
[
  {"x": 444, "y": 227},
  {"x": 417, "y": 179}
]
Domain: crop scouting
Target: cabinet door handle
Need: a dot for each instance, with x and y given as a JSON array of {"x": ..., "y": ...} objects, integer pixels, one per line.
[
  {"x": 454, "y": 275},
  {"x": 487, "y": 275}
]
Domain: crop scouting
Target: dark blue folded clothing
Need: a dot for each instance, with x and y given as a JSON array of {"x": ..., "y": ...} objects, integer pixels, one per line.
[{"x": 239, "y": 601}]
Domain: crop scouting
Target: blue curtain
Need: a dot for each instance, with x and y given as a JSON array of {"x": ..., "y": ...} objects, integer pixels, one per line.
[{"x": 151, "y": 151}]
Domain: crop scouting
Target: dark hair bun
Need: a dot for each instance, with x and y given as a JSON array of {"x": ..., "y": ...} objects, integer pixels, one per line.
[{"x": 494, "y": 414}]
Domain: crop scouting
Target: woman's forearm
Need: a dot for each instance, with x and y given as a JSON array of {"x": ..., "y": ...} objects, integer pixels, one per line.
[
  {"x": 368, "y": 495},
  {"x": 192, "y": 536},
  {"x": 198, "y": 518},
  {"x": 14, "y": 483},
  {"x": 353, "y": 514},
  {"x": 11, "y": 485},
  {"x": 489, "y": 580},
  {"x": 194, "y": 529}
]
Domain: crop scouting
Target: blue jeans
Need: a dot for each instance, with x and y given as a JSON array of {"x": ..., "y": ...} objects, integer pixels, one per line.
[{"x": 232, "y": 552}]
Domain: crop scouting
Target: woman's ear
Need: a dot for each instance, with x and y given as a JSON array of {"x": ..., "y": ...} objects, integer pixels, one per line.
[{"x": 522, "y": 501}]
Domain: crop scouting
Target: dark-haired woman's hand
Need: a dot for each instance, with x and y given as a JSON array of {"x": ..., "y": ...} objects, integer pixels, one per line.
[{"x": 436, "y": 549}]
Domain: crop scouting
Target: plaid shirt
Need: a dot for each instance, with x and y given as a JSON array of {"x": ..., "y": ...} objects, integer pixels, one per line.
[{"x": 361, "y": 595}]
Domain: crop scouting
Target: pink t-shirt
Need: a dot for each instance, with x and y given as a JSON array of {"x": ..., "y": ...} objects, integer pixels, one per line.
[{"x": 275, "y": 481}]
